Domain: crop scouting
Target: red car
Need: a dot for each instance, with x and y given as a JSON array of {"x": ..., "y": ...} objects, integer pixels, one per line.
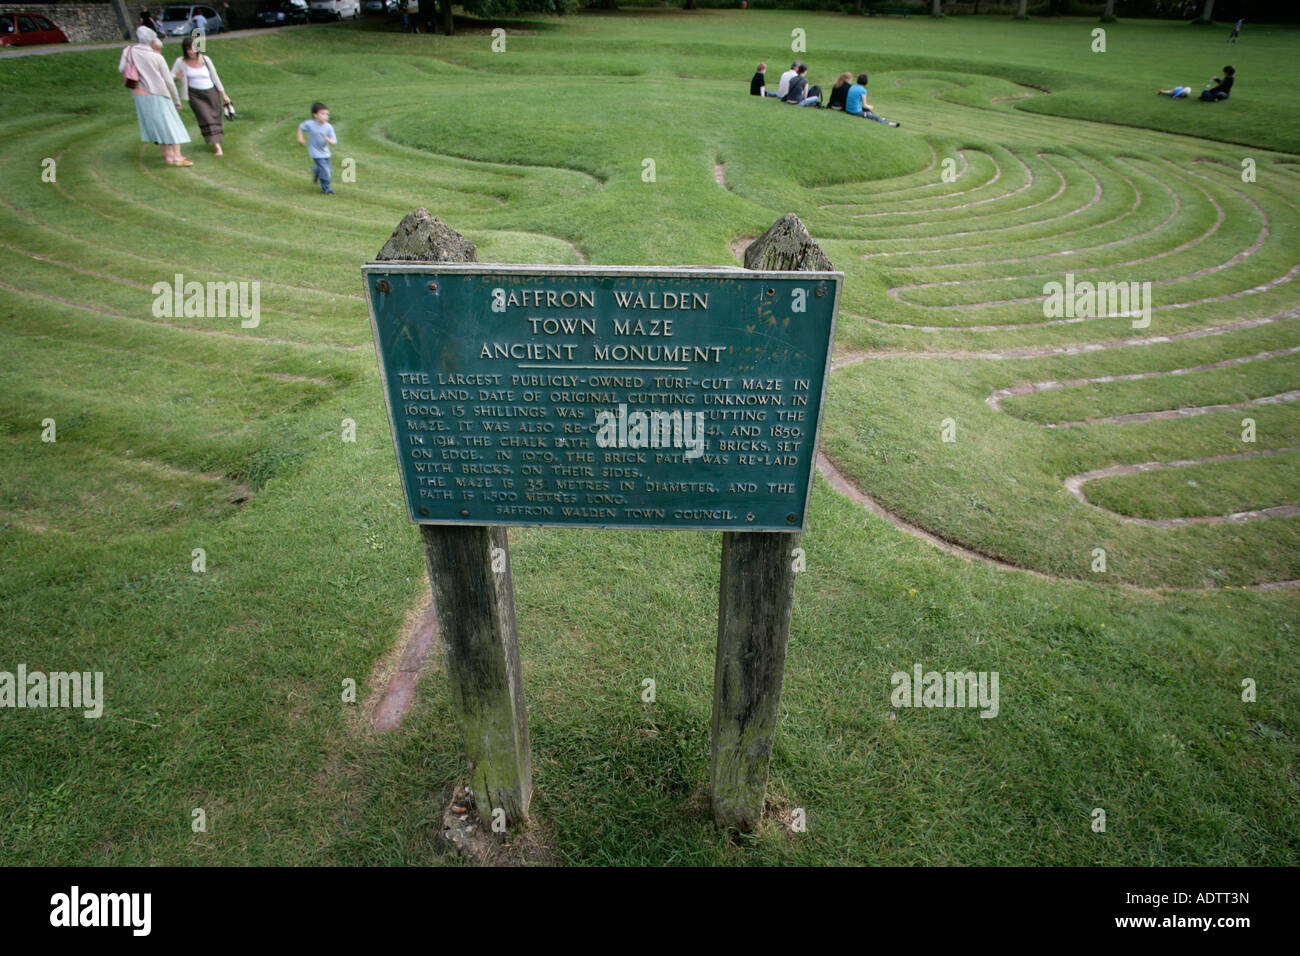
[{"x": 28, "y": 29}]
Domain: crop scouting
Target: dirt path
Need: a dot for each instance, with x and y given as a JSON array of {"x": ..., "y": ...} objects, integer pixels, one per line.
[
  {"x": 1074, "y": 485},
  {"x": 837, "y": 480}
]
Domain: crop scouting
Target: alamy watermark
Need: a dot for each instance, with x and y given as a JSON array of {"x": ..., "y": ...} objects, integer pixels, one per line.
[
  {"x": 82, "y": 690},
  {"x": 1098, "y": 300},
  {"x": 653, "y": 429},
  {"x": 923, "y": 688},
  {"x": 75, "y": 908},
  {"x": 208, "y": 300}
]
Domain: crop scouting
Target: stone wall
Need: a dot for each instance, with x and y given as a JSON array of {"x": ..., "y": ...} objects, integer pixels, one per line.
[
  {"x": 97, "y": 23},
  {"x": 82, "y": 22}
]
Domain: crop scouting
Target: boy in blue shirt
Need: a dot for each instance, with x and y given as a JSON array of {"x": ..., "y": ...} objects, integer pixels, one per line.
[
  {"x": 320, "y": 137},
  {"x": 855, "y": 103}
]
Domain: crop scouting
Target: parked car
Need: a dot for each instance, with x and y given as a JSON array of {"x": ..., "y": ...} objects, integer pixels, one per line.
[
  {"x": 334, "y": 9},
  {"x": 28, "y": 29},
  {"x": 381, "y": 6},
  {"x": 178, "y": 20},
  {"x": 282, "y": 12}
]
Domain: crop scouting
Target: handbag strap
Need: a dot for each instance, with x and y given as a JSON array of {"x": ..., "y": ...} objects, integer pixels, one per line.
[{"x": 212, "y": 73}]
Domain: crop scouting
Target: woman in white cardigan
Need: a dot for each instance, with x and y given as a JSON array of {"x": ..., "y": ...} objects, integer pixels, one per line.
[
  {"x": 200, "y": 85},
  {"x": 154, "y": 92}
]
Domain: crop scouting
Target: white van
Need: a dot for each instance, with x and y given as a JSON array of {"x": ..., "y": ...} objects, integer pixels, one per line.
[{"x": 334, "y": 9}]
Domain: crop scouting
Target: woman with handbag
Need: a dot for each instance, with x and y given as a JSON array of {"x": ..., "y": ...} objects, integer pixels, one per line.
[
  {"x": 202, "y": 87},
  {"x": 144, "y": 72}
]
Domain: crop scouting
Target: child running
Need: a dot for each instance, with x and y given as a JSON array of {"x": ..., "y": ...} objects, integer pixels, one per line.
[{"x": 320, "y": 137}]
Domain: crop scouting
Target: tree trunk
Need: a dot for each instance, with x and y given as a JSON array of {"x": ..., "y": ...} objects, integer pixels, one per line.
[
  {"x": 1109, "y": 13},
  {"x": 124, "y": 20},
  {"x": 448, "y": 24},
  {"x": 937, "y": 9},
  {"x": 1021, "y": 11},
  {"x": 1207, "y": 14},
  {"x": 689, "y": 5}
]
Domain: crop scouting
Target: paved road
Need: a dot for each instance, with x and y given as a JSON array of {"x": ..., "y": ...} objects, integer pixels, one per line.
[{"x": 70, "y": 47}]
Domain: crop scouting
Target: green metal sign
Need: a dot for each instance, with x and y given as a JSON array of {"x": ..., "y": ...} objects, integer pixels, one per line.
[{"x": 610, "y": 397}]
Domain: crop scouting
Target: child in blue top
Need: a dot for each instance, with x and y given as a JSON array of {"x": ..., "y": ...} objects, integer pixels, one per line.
[
  {"x": 855, "y": 104},
  {"x": 320, "y": 137}
]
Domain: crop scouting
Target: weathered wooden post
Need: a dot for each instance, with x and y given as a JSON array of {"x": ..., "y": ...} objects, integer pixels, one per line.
[
  {"x": 755, "y": 601},
  {"x": 475, "y": 604}
]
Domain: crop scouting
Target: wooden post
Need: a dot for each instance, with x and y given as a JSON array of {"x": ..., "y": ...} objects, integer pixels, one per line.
[
  {"x": 754, "y": 606},
  {"x": 475, "y": 605}
]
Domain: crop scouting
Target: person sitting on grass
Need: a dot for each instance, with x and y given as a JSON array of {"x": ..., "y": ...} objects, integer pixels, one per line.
[
  {"x": 1221, "y": 88},
  {"x": 758, "y": 85},
  {"x": 840, "y": 91},
  {"x": 855, "y": 104},
  {"x": 799, "y": 94},
  {"x": 783, "y": 87},
  {"x": 1177, "y": 92}
]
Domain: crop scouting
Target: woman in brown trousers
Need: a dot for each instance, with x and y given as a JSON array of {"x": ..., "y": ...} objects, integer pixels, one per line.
[{"x": 200, "y": 85}]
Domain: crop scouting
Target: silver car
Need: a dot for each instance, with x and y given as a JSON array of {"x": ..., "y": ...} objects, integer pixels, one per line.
[{"x": 180, "y": 20}]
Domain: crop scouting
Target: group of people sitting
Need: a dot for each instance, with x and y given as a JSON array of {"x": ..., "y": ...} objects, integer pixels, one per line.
[
  {"x": 846, "y": 95},
  {"x": 1218, "y": 88}
]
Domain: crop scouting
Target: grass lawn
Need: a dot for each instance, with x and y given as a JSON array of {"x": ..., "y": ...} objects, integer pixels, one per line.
[{"x": 1023, "y": 156}]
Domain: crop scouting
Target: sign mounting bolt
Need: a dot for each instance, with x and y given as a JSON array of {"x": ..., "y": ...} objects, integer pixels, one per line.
[{"x": 383, "y": 286}]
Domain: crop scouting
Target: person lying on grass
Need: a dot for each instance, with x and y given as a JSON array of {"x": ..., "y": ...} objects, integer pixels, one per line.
[
  {"x": 1177, "y": 92},
  {"x": 855, "y": 103}
]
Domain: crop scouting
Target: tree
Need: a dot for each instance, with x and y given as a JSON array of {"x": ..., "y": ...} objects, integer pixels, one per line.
[
  {"x": 937, "y": 9},
  {"x": 1207, "y": 14},
  {"x": 1022, "y": 12},
  {"x": 1108, "y": 15}
]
